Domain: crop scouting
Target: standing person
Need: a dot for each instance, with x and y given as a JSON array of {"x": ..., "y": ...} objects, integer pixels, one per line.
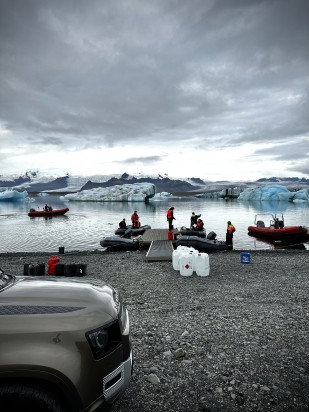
[
  {"x": 229, "y": 234},
  {"x": 135, "y": 220},
  {"x": 193, "y": 220},
  {"x": 170, "y": 217}
]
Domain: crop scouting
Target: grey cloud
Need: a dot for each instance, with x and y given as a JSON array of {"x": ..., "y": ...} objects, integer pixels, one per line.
[
  {"x": 142, "y": 160},
  {"x": 301, "y": 168},
  {"x": 104, "y": 73},
  {"x": 297, "y": 150}
]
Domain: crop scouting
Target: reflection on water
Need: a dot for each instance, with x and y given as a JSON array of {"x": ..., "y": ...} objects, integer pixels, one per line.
[
  {"x": 87, "y": 222},
  {"x": 293, "y": 242}
]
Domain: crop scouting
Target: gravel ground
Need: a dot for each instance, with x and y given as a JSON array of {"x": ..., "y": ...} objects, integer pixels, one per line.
[{"x": 236, "y": 340}]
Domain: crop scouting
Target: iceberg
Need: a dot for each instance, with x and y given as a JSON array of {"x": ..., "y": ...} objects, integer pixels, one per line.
[
  {"x": 300, "y": 196},
  {"x": 137, "y": 192},
  {"x": 161, "y": 196},
  {"x": 273, "y": 192},
  {"x": 230, "y": 192},
  {"x": 12, "y": 195}
]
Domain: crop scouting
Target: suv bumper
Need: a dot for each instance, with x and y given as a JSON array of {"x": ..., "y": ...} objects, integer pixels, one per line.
[
  {"x": 118, "y": 380},
  {"x": 114, "y": 384}
]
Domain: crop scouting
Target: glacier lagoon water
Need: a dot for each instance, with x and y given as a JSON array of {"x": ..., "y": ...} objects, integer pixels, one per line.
[{"x": 87, "y": 223}]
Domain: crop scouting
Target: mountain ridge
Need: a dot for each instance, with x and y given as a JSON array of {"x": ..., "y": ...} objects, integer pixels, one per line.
[{"x": 34, "y": 181}]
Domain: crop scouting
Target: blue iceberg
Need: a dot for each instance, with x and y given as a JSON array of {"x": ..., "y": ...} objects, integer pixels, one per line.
[{"x": 274, "y": 192}]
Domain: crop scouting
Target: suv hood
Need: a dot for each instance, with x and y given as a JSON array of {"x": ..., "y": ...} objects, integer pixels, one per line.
[{"x": 53, "y": 296}]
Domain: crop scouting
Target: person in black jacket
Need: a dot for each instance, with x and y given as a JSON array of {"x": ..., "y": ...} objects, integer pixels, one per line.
[
  {"x": 122, "y": 224},
  {"x": 193, "y": 221}
]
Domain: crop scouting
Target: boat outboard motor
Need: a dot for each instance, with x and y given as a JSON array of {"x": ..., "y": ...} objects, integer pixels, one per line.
[
  {"x": 211, "y": 236},
  {"x": 127, "y": 234}
]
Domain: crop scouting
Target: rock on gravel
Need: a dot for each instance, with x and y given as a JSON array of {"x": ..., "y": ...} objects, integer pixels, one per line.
[{"x": 236, "y": 340}]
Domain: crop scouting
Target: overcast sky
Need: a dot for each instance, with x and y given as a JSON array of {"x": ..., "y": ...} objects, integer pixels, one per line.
[{"x": 216, "y": 89}]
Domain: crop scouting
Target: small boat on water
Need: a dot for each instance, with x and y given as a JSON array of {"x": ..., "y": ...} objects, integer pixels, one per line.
[
  {"x": 185, "y": 231},
  {"x": 54, "y": 212},
  {"x": 129, "y": 231},
  {"x": 200, "y": 244},
  {"x": 274, "y": 228},
  {"x": 119, "y": 243}
]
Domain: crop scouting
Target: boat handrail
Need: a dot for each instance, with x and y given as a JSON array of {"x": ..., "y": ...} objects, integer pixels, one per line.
[
  {"x": 274, "y": 220},
  {"x": 270, "y": 215}
]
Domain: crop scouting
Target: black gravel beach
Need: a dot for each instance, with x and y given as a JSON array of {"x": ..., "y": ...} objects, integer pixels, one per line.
[{"x": 236, "y": 340}]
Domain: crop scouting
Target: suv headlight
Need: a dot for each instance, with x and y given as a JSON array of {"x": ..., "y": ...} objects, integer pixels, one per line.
[{"x": 103, "y": 340}]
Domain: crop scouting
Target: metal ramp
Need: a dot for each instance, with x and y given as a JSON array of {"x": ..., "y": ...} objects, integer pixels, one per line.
[
  {"x": 156, "y": 234},
  {"x": 160, "y": 250}
]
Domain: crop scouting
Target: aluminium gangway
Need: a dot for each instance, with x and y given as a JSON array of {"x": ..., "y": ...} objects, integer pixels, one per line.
[{"x": 160, "y": 248}]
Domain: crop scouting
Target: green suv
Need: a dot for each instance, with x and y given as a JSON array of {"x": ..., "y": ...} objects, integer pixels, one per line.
[{"x": 64, "y": 344}]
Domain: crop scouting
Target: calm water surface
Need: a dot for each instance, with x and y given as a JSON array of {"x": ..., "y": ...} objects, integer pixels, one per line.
[{"x": 87, "y": 223}]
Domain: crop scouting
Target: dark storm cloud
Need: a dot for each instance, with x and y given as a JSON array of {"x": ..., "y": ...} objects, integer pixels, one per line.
[{"x": 101, "y": 73}]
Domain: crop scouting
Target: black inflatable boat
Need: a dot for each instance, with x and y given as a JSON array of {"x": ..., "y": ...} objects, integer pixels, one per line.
[
  {"x": 119, "y": 243},
  {"x": 200, "y": 244},
  {"x": 129, "y": 231},
  {"x": 185, "y": 231}
]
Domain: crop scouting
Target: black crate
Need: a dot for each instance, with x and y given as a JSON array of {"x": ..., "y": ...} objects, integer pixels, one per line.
[{"x": 34, "y": 269}]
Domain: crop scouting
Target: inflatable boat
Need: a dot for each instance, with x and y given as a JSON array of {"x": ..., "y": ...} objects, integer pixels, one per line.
[
  {"x": 191, "y": 232},
  {"x": 200, "y": 244},
  {"x": 54, "y": 212},
  {"x": 119, "y": 243},
  {"x": 129, "y": 231},
  {"x": 276, "y": 229}
]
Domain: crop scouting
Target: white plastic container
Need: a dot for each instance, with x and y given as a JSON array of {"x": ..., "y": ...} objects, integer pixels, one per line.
[
  {"x": 176, "y": 258},
  {"x": 202, "y": 264},
  {"x": 180, "y": 247},
  {"x": 186, "y": 264},
  {"x": 194, "y": 253}
]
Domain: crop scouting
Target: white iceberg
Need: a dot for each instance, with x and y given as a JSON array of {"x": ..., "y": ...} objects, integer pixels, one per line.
[
  {"x": 161, "y": 196},
  {"x": 12, "y": 195},
  {"x": 273, "y": 192},
  {"x": 230, "y": 192},
  {"x": 138, "y": 192}
]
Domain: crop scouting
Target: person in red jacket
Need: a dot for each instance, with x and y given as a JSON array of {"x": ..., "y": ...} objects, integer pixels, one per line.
[
  {"x": 170, "y": 217},
  {"x": 229, "y": 234},
  {"x": 135, "y": 220},
  {"x": 199, "y": 224}
]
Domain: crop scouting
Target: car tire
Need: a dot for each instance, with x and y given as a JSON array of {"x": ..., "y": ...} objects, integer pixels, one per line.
[{"x": 17, "y": 397}]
